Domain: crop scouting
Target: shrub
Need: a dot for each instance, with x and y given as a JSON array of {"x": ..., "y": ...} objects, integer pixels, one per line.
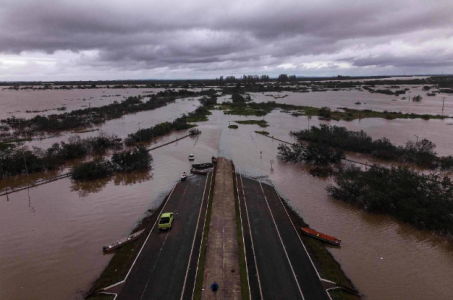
[
  {"x": 132, "y": 160},
  {"x": 96, "y": 169},
  {"x": 422, "y": 200}
]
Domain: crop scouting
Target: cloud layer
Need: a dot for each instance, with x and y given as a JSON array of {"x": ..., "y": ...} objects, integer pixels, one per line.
[{"x": 51, "y": 40}]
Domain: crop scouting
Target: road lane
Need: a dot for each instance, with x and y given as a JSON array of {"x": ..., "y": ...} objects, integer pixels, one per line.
[
  {"x": 276, "y": 277},
  {"x": 306, "y": 274},
  {"x": 160, "y": 271}
]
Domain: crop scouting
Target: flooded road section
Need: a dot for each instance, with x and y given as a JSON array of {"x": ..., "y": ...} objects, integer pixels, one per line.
[{"x": 51, "y": 237}]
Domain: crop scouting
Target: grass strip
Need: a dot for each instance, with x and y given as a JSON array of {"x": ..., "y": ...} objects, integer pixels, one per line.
[
  {"x": 261, "y": 123},
  {"x": 204, "y": 245},
  {"x": 245, "y": 295},
  {"x": 102, "y": 297},
  {"x": 347, "y": 114},
  {"x": 340, "y": 294}
]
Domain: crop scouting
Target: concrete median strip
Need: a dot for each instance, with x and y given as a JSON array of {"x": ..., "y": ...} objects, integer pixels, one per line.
[{"x": 222, "y": 258}]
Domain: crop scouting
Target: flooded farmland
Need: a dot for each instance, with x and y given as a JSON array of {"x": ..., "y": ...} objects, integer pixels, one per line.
[{"x": 52, "y": 236}]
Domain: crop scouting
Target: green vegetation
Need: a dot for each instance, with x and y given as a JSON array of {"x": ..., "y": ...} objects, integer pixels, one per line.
[
  {"x": 96, "y": 169},
  {"x": 202, "y": 112},
  {"x": 102, "y": 297},
  {"x": 240, "y": 240},
  {"x": 424, "y": 201},
  {"x": 313, "y": 154},
  {"x": 420, "y": 153},
  {"x": 340, "y": 294},
  {"x": 125, "y": 161},
  {"x": 233, "y": 126},
  {"x": 96, "y": 115},
  {"x": 24, "y": 161},
  {"x": 148, "y": 134},
  {"x": 242, "y": 110},
  {"x": 347, "y": 114},
  {"x": 261, "y": 123},
  {"x": 262, "y": 132}
]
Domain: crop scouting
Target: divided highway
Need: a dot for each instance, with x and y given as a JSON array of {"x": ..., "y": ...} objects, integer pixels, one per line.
[
  {"x": 279, "y": 267},
  {"x": 162, "y": 269}
]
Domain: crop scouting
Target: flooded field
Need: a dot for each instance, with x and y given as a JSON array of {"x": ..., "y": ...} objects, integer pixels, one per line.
[
  {"x": 51, "y": 237},
  {"x": 374, "y": 101}
]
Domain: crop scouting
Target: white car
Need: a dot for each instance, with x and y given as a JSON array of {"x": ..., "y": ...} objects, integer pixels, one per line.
[{"x": 191, "y": 157}]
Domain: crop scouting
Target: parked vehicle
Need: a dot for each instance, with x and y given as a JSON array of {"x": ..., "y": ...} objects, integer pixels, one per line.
[{"x": 191, "y": 157}]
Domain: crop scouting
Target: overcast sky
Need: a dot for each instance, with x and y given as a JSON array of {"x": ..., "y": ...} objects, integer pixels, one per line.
[{"x": 97, "y": 39}]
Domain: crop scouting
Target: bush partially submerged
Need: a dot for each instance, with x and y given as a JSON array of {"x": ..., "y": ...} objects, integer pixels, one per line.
[
  {"x": 96, "y": 169},
  {"x": 420, "y": 152},
  {"x": 125, "y": 161},
  {"x": 132, "y": 160},
  {"x": 422, "y": 200},
  {"x": 313, "y": 154},
  {"x": 22, "y": 160},
  {"x": 148, "y": 134}
]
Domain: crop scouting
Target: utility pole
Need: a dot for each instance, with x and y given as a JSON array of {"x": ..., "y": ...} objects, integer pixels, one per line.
[{"x": 443, "y": 104}]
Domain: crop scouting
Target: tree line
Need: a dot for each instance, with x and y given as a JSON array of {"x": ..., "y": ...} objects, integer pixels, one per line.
[
  {"x": 420, "y": 153},
  {"x": 423, "y": 200},
  {"x": 16, "y": 161},
  {"x": 128, "y": 160},
  {"x": 96, "y": 115}
]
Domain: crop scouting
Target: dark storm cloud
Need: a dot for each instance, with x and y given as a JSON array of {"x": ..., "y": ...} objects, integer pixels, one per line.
[{"x": 205, "y": 35}]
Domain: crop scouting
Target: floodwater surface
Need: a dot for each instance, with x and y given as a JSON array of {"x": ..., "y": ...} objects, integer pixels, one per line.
[{"x": 51, "y": 237}]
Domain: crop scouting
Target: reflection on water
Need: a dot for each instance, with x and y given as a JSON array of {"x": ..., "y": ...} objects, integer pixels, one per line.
[
  {"x": 51, "y": 237},
  {"x": 84, "y": 188}
]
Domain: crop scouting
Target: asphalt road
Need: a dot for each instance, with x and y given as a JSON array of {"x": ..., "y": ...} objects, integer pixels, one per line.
[
  {"x": 283, "y": 269},
  {"x": 161, "y": 270}
]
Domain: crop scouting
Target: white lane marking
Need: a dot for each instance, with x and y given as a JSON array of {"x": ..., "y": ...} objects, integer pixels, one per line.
[
  {"x": 194, "y": 237},
  {"x": 327, "y": 291},
  {"x": 152, "y": 270},
  {"x": 251, "y": 238},
  {"x": 202, "y": 236},
  {"x": 281, "y": 241},
  {"x": 242, "y": 229},
  {"x": 300, "y": 239},
  {"x": 152, "y": 228},
  {"x": 106, "y": 293}
]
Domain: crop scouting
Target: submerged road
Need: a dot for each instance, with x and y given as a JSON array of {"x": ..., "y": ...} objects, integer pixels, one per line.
[
  {"x": 279, "y": 267},
  {"x": 166, "y": 267}
]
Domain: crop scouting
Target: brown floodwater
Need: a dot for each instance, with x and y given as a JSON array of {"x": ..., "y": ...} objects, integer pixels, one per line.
[
  {"x": 51, "y": 237},
  {"x": 375, "y": 101}
]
